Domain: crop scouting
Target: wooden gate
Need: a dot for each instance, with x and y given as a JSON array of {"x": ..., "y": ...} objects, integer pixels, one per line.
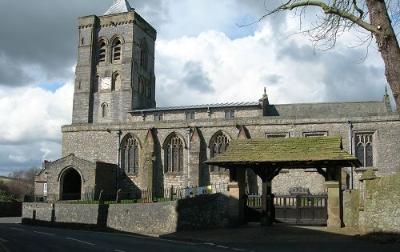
[
  {"x": 294, "y": 209},
  {"x": 301, "y": 209}
]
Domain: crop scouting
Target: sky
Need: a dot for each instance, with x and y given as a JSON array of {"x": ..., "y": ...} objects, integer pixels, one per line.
[{"x": 206, "y": 52}]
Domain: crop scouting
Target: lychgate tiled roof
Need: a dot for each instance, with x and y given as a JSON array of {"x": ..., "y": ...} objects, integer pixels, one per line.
[
  {"x": 119, "y": 6},
  {"x": 284, "y": 150}
]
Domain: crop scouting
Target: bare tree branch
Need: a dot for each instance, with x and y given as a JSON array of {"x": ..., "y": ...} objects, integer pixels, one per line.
[{"x": 327, "y": 10}]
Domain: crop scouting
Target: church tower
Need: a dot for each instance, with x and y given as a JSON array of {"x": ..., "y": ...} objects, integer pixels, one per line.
[{"x": 115, "y": 68}]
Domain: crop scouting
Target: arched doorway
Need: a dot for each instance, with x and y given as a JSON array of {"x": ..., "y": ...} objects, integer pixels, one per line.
[{"x": 71, "y": 185}]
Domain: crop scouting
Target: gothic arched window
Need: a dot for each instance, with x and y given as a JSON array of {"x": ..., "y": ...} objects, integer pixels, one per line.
[
  {"x": 173, "y": 154},
  {"x": 364, "y": 149},
  {"x": 130, "y": 155},
  {"x": 104, "y": 110},
  {"x": 102, "y": 51},
  {"x": 116, "y": 50},
  {"x": 219, "y": 144},
  {"x": 116, "y": 82},
  {"x": 144, "y": 54}
]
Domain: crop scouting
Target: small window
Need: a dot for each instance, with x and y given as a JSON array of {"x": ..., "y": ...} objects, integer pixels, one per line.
[
  {"x": 96, "y": 85},
  {"x": 141, "y": 85},
  {"x": 315, "y": 134},
  {"x": 44, "y": 189},
  {"x": 229, "y": 114},
  {"x": 116, "y": 82},
  {"x": 158, "y": 117},
  {"x": 104, "y": 110},
  {"x": 276, "y": 135},
  {"x": 148, "y": 95},
  {"x": 190, "y": 115},
  {"x": 102, "y": 51},
  {"x": 116, "y": 50},
  {"x": 364, "y": 149}
]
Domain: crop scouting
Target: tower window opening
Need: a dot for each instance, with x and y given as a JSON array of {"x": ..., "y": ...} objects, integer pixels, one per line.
[
  {"x": 102, "y": 52},
  {"x": 116, "y": 50}
]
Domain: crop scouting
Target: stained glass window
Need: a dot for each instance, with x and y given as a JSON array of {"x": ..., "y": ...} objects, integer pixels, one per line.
[
  {"x": 364, "y": 149},
  {"x": 174, "y": 154},
  {"x": 130, "y": 155}
]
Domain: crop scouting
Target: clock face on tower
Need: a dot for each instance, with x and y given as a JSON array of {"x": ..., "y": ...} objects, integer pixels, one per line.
[{"x": 105, "y": 83}]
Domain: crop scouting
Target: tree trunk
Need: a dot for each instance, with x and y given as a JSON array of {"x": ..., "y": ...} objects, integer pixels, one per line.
[{"x": 387, "y": 44}]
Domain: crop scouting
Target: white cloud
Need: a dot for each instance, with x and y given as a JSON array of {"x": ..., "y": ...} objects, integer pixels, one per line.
[
  {"x": 238, "y": 69},
  {"x": 30, "y": 129},
  {"x": 34, "y": 114}
]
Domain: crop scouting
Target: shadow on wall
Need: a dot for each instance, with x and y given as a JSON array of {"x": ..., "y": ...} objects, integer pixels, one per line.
[
  {"x": 158, "y": 174},
  {"x": 127, "y": 189},
  {"x": 204, "y": 174}
]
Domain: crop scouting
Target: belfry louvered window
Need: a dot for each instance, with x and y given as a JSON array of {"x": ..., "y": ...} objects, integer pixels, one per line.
[
  {"x": 174, "y": 154},
  {"x": 364, "y": 149},
  {"x": 219, "y": 144},
  {"x": 102, "y": 51},
  {"x": 130, "y": 155},
  {"x": 116, "y": 50}
]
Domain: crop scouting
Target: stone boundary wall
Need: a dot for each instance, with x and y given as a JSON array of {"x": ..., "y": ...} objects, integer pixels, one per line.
[
  {"x": 10, "y": 209},
  {"x": 203, "y": 212},
  {"x": 381, "y": 208},
  {"x": 351, "y": 199}
]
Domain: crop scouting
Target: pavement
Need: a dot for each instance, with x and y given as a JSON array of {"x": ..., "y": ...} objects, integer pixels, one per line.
[{"x": 250, "y": 238}]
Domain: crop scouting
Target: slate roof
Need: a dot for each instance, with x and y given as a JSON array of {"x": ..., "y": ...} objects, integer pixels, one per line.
[
  {"x": 306, "y": 151},
  {"x": 119, "y": 6}
]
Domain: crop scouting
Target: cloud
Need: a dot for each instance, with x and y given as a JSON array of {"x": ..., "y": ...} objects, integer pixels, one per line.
[
  {"x": 31, "y": 125},
  {"x": 195, "y": 78},
  {"x": 273, "y": 79}
]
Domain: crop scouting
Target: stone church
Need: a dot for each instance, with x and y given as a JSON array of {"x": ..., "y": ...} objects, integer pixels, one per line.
[{"x": 120, "y": 140}]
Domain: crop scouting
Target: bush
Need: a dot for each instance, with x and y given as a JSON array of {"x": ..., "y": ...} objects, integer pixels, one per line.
[{"x": 6, "y": 196}]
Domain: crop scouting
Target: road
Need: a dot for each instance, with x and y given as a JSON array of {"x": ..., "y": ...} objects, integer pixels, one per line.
[{"x": 17, "y": 237}]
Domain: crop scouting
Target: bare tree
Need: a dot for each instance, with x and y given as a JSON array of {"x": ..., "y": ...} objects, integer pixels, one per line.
[
  {"x": 372, "y": 16},
  {"x": 23, "y": 183}
]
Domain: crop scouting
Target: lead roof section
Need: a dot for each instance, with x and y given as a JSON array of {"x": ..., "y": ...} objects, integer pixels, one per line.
[{"x": 306, "y": 110}]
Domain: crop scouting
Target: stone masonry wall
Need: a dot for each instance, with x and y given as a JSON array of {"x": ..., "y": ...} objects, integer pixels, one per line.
[
  {"x": 95, "y": 143},
  {"x": 381, "y": 205},
  {"x": 351, "y": 200},
  {"x": 203, "y": 212}
]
